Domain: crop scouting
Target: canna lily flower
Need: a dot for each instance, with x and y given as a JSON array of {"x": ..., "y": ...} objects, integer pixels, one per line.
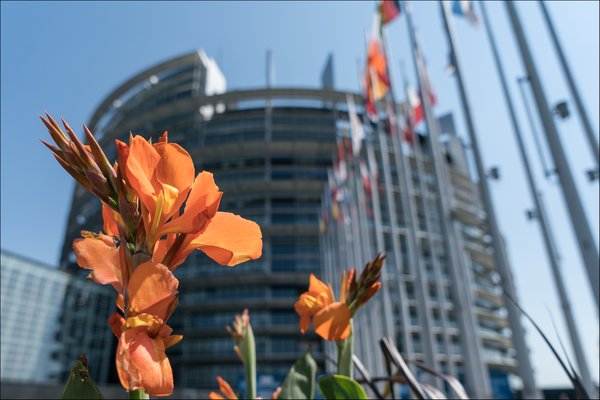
[
  {"x": 331, "y": 318},
  {"x": 144, "y": 336},
  {"x": 162, "y": 176}
]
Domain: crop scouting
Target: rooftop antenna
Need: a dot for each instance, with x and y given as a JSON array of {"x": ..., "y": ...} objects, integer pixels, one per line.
[{"x": 327, "y": 76}]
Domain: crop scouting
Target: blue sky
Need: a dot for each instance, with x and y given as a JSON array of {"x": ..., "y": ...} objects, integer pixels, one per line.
[{"x": 64, "y": 57}]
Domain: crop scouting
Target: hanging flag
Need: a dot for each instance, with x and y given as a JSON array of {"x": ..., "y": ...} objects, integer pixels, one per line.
[
  {"x": 415, "y": 105},
  {"x": 388, "y": 10},
  {"x": 464, "y": 8},
  {"x": 348, "y": 153},
  {"x": 369, "y": 103},
  {"x": 365, "y": 177},
  {"x": 373, "y": 167},
  {"x": 377, "y": 70},
  {"x": 425, "y": 88},
  {"x": 356, "y": 128},
  {"x": 336, "y": 196},
  {"x": 340, "y": 170},
  {"x": 406, "y": 124},
  {"x": 376, "y": 63}
]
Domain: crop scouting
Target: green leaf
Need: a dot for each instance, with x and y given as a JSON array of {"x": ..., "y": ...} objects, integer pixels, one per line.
[
  {"x": 334, "y": 387},
  {"x": 300, "y": 381},
  {"x": 80, "y": 385}
]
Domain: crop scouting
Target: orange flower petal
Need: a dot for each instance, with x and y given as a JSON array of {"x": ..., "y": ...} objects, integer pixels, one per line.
[
  {"x": 226, "y": 389},
  {"x": 215, "y": 396},
  {"x": 175, "y": 169},
  {"x": 333, "y": 322},
  {"x": 110, "y": 224},
  {"x": 319, "y": 289},
  {"x": 116, "y": 322},
  {"x": 164, "y": 138},
  {"x": 229, "y": 239},
  {"x": 201, "y": 206},
  {"x": 122, "y": 155},
  {"x": 142, "y": 162},
  {"x": 143, "y": 364},
  {"x": 304, "y": 322},
  {"x": 152, "y": 289},
  {"x": 97, "y": 254},
  {"x": 172, "y": 340},
  {"x": 161, "y": 247}
]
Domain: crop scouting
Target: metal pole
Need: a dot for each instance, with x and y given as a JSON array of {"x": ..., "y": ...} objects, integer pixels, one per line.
[
  {"x": 547, "y": 171},
  {"x": 549, "y": 242},
  {"x": 518, "y": 334},
  {"x": 585, "y": 239},
  {"x": 475, "y": 368},
  {"x": 585, "y": 121}
]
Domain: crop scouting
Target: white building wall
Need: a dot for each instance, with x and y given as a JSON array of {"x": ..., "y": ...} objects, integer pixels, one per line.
[{"x": 31, "y": 299}]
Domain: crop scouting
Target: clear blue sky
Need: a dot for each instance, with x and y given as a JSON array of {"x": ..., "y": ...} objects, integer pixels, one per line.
[{"x": 64, "y": 57}]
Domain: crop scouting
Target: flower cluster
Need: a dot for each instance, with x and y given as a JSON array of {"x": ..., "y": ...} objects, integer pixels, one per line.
[
  {"x": 156, "y": 211},
  {"x": 331, "y": 318}
]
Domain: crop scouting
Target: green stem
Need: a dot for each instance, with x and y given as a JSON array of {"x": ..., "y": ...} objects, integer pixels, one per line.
[
  {"x": 138, "y": 394},
  {"x": 345, "y": 351},
  {"x": 248, "y": 348}
]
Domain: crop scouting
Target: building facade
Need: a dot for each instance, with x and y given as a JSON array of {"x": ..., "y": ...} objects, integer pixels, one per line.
[
  {"x": 32, "y": 299},
  {"x": 449, "y": 316},
  {"x": 269, "y": 151}
]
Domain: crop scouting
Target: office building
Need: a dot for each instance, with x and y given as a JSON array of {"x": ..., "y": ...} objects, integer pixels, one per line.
[{"x": 32, "y": 298}]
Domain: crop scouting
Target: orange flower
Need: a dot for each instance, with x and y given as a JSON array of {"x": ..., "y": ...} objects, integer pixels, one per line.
[
  {"x": 331, "y": 318},
  {"x": 147, "y": 234},
  {"x": 225, "y": 389},
  {"x": 162, "y": 176},
  {"x": 143, "y": 337}
]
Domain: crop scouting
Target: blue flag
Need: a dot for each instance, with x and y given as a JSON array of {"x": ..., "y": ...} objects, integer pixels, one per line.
[{"x": 464, "y": 8}]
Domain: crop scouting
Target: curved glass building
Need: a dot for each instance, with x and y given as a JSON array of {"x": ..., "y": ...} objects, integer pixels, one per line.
[{"x": 269, "y": 150}]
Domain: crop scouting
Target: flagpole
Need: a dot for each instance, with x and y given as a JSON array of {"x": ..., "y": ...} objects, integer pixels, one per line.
[
  {"x": 379, "y": 238},
  {"x": 518, "y": 334},
  {"x": 409, "y": 213},
  {"x": 585, "y": 121},
  {"x": 475, "y": 368},
  {"x": 579, "y": 222},
  {"x": 549, "y": 242}
]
